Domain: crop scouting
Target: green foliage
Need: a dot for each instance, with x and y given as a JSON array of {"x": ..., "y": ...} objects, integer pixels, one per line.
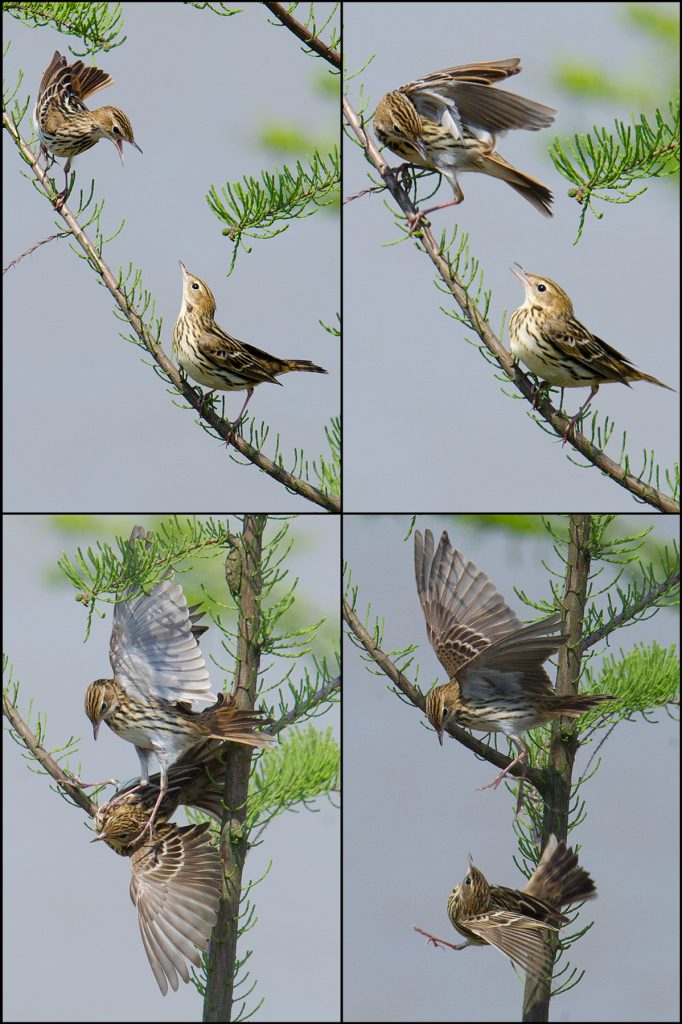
[
  {"x": 304, "y": 766},
  {"x": 97, "y": 25},
  {"x": 328, "y": 472},
  {"x": 222, "y": 10},
  {"x": 261, "y": 208},
  {"x": 645, "y": 678},
  {"x": 603, "y": 165}
]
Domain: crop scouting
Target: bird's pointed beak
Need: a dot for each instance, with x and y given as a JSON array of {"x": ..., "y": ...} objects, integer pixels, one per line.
[
  {"x": 522, "y": 276},
  {"x": 133, "y": 143},
  {"x": 97, "y": 839},
  {"x": 95, "y": 729},
  {"x": 440, "y": 736},
  {"x": 183, "y": 268}
]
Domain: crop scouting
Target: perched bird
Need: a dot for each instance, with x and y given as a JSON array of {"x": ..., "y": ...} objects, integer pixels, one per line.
[
  {"x": 545, "y": 336},
  {"x": 176, "y": 879},
  {"x": 214, "y": 358},
  {"x": 494, "y": 662},
  {"x": 65, "y": 125},
  {"x": 449, "y": 121},
  {"x": 159, "y": 672},
  {"x": 518, "y": 921}
]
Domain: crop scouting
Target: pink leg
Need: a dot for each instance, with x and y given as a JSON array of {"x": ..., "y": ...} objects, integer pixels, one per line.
[
  {"x": 496, "y": 781},
  {"x": 149, "y": 826},
  {"x": 439, "y": 942},
  {"x": 235, "y": 425}
]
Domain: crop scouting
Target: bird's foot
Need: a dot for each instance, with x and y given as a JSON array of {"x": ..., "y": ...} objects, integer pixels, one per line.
[{"x": 442, "y": 943}]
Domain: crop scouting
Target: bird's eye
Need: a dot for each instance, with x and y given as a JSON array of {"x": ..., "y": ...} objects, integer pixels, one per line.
[
  {"x": 195, "y": 286},
  {"x": 116, "y": 130},
  {"x": 103, "y": 707},
  {"x": 467, "y": 880},
  {"x": 542, "y": 287}
]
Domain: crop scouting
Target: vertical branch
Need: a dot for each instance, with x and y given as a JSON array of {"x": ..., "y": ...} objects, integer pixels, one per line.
[
  {"x": 563, "y": 744},
  {"x": 233, "y": 839}
]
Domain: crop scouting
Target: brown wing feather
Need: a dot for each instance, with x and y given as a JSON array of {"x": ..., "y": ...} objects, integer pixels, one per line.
[
  {"x": 463, "y": 611},
  {"x": 520, "y": 938}
]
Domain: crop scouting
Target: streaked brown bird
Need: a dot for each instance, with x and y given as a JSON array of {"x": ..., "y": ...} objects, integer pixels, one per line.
[
  {"x": 195, "y": 780},
  {"x": 546, "y": 337},
  {"x": 449, "y": 121},
  {"x": 494, "y": 662},
  {"x": 65, "y": 125},
  {"x": 159, "y": 672},
  {"x": 213, "y": 358},
  {"x": 518, "y": 922},
  {"x": 176, "y": 874}
]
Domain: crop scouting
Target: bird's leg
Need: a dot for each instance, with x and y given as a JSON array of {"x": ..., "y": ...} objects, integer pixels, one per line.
[
  {"x": 414, "y": 221},
  {"x": 63, "y": 195},
  {"x": 440, "y": 942},
  {"x": 150, "y": 824},
  {"x": 522, "y": 755},
  {"x": 204, "y": 396},
  {"x": 233, "y": 428},
  {"x": 574, "y": 419}
]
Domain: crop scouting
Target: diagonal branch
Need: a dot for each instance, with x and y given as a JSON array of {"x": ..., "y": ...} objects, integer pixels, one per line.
[
  {"x": 478, "y": 323},
  {"x": 298, "y": 29},
  {"x": 67, "y": 782}
]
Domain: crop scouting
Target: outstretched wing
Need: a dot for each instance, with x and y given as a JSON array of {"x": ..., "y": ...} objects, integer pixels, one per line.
[{"x": 463, "y": 611}]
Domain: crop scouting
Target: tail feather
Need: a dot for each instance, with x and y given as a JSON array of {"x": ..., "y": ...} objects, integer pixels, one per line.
[
  {"x": 537, "y": 194},
  {"x": 224, "y": 720},
  {"x": 558, "y": 880},
  {"x": 301, "y": 364},
  {"x": 574, "y": 705}
]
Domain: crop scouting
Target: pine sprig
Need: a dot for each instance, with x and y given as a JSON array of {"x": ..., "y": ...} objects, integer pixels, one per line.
[
  {"x": 258, "y": 208},
  {"x": 97, "y": 25},
  {"x": 604, "y": 164}
]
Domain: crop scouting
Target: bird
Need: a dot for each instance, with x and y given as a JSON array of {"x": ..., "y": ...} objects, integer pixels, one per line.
[
  {"x": 176, "y": 879},
  {"x": 546, "y": 337},
  {"x": 196, "y": 780},
  {"x": 159, "y": 673},
  {"x": 494, "y": 662},
  {"x": 448, "y": 121},
  {"x": 213, "y": 358},
  {"x": 518, "y": 921},
  {"x": 65, "y": 125}
]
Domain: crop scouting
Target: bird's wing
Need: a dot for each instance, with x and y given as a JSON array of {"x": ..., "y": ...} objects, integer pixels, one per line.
[
  {"x": 466, "y": 95},
  {"x": 229, "y": 354},
  {"x": 520, "y": 938},
  {"x": 573, "y": 340},
  {"x": 463, "y": 611},
  {"x": 153, "y": 649},
  {"x": 175, "y": 885},
  {"x": 514, "y": 663}
]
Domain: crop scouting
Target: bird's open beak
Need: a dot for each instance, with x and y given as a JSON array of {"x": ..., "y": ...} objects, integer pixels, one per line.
[{"x": 522, "y": 277}]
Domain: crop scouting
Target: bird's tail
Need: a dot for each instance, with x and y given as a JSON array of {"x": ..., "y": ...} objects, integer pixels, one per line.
[
  {"x": 558, "y": 880},
  {"x": 634, "y": 374},
  {"x": 537, "y": 194},
  {"x": 224, "y": 720},
  {"x": 301, "y": 364}
]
